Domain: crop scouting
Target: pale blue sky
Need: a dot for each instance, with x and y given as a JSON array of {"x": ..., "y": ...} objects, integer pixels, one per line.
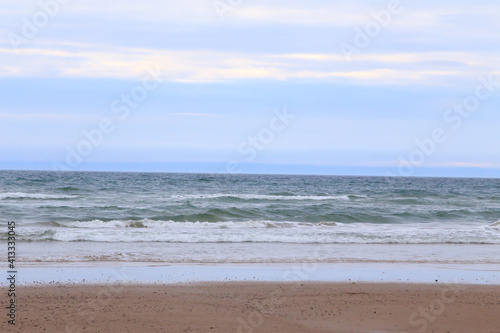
[{"x": 224, "y": 80}]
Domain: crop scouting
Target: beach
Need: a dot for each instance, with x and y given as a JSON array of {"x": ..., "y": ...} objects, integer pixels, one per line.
[
  {"x": 259, "y": 307},
  {"x": 298, "y": 297}
]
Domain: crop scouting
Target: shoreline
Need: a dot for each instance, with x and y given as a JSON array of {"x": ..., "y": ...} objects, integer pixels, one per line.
[
  {"x": 172, "y": 273},
  {"x": 259, "y": 307}
]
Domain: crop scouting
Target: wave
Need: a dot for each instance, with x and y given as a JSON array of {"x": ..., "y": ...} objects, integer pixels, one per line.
[
  {"x": 496, "y": 224},
  {"x": 155, "y": 224},
  {"x": 328, "y": 232},
  {"x": 36, "y": 196},
  {"x": 263, "y": 197}
]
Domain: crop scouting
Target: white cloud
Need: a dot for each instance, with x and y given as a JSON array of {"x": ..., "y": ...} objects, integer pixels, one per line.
[
  {"x": 205, "y": 66},
  {"x": 195, "y": 114}
]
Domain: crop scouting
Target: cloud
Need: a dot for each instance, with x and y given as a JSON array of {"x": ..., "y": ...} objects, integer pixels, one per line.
[
  {"x": 195, "y": 114},
  {"x": 209, "y": 66},
  {"x": 468, "y": 165},
  {"x": 263, "y": 54}
]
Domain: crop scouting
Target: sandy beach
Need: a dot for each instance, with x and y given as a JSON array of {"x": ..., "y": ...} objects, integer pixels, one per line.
[{"x": 258, "y": 307}]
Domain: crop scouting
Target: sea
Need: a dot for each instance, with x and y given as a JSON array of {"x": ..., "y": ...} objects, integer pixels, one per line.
[{"x": 99, "y": 217}]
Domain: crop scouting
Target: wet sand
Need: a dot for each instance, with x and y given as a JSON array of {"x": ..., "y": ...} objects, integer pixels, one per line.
[{"x": 258, "y": 307}]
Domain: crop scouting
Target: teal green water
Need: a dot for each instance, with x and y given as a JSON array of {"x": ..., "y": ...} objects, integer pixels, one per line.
[{"x": 202, "y": 208}]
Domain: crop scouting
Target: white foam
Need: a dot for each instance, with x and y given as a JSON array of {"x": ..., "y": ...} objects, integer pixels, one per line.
[
  {"x": 264, "y": 232},
  {"x": 496, "y": 224},
  {"x": 153, "y": 224},
  {"x": 261, "y": 197},
  {"x": 41, "y": 196}
]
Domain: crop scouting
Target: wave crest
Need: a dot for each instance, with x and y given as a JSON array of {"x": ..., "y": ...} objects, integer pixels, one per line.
[
  {"x": 328, "y": 232},
  {"x": 263, "y": 197},
  {"x": 496, "y": 224},
  {"x": 38, "y": 196}
]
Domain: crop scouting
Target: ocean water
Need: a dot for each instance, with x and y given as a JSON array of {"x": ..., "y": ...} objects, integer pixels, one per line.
[{"x": 161, "y": 217}]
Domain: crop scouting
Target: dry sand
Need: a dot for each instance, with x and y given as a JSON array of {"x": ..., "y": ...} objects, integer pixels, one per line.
[{"x": 258, "y": 307}]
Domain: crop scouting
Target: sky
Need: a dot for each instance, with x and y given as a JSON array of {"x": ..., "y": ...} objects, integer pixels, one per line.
[{"x": 388, "y": 88}]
